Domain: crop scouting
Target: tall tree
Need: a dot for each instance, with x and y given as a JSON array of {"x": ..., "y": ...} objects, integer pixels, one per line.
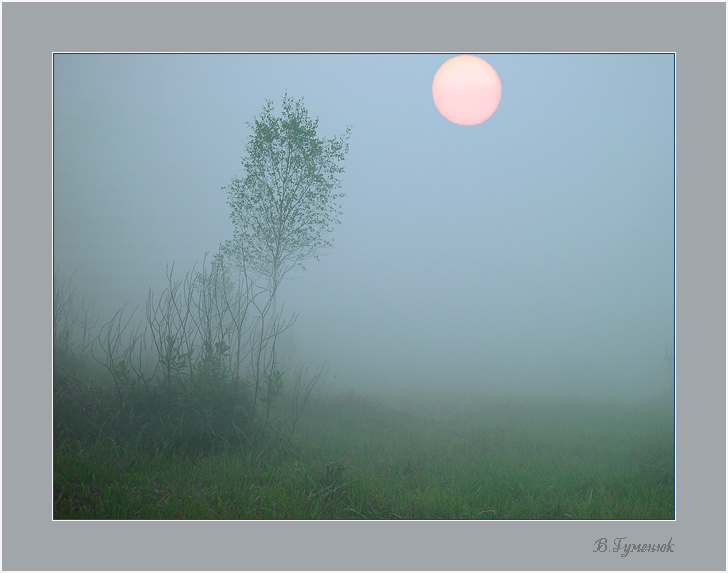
[{"x": 285, "y": 207}]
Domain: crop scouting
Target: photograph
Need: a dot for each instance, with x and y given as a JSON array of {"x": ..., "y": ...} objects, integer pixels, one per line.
[{"x": 364, "y": 286}]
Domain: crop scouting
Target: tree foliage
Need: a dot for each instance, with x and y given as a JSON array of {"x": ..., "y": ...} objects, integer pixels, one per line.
[{"x": 286, "y": 205}]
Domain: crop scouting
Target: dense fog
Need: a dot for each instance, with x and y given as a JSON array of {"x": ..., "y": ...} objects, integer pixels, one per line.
[{"x": 534, "y": 251}]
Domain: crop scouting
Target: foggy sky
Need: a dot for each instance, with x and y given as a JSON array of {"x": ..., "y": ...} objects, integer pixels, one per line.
[{"x": 533, "y": 250}]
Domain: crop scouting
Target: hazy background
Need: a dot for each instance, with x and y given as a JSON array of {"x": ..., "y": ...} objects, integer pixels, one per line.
[{"x": 532, "y": 251}]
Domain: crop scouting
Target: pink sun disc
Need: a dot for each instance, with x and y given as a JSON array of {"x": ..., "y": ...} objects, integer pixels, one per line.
[{"x": 466, "y": 90}]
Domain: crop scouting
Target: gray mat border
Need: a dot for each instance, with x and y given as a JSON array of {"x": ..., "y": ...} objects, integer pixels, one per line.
[{"x": 31, "y": 32}]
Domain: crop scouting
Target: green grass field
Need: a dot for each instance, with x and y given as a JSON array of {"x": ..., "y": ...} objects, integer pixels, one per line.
[{"x": 452, "y": 456}]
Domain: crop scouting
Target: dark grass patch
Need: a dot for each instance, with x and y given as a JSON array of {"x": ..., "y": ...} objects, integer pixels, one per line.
[{"x": 360, "y": 458}]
